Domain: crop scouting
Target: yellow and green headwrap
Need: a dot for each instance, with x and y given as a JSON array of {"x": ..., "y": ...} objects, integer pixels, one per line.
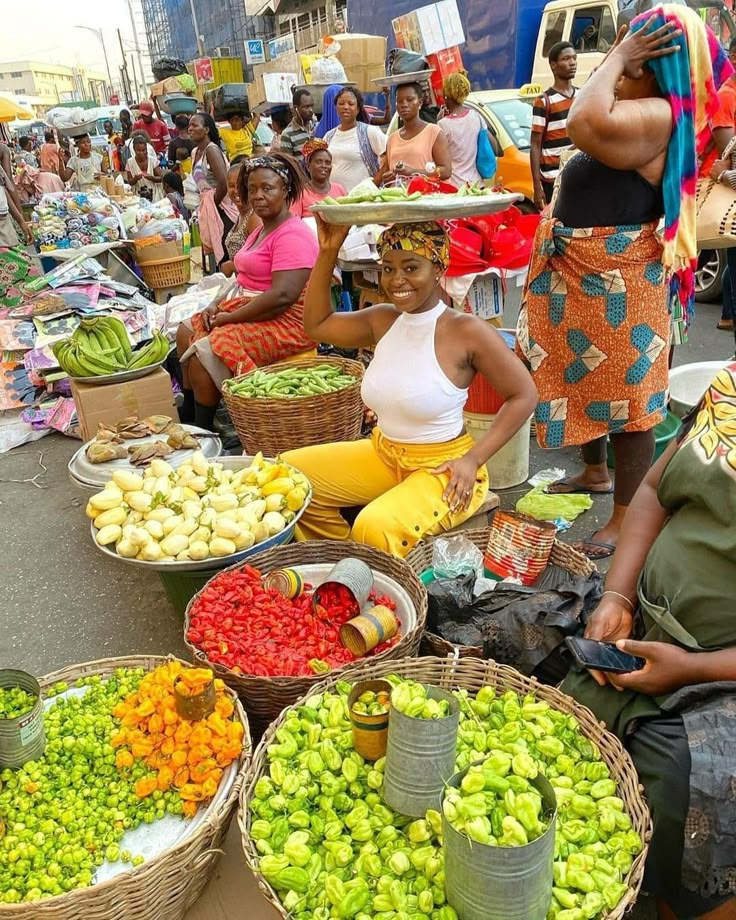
[{"x": 426, "y": 239}]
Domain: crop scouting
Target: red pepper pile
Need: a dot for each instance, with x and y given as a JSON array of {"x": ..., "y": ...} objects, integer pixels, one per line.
[{"x": 249, "y": 629}]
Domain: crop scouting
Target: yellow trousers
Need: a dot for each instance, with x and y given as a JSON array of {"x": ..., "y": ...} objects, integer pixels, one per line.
[{"x": 394, "y": 483}]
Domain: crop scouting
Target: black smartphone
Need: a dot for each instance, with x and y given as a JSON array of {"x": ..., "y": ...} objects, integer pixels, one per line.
[{"x": 603, "y": 656}]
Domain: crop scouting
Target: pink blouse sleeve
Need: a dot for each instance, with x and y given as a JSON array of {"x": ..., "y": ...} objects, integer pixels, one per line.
[{"x": 294, "y": 247}]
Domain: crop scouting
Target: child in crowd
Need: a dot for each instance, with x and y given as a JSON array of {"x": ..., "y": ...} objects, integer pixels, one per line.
[
  {"x": 174, "y": 191},
  {"x": 183, "y": 161}
]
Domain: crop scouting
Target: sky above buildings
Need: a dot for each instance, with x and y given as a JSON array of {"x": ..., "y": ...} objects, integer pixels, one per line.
[{"x": 44, "y": 30}]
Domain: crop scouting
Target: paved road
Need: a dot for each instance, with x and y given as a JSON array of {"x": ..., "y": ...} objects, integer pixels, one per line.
[{"x": 64, "y": 602}]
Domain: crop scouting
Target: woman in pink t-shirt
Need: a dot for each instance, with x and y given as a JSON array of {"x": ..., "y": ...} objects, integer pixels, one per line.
[
  {"x": 318, "y": 163},
  {"x": 263, "y": 323}
]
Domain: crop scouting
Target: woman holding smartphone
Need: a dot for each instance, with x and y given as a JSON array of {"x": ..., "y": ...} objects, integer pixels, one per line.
[{"x": 669, "y": 600}]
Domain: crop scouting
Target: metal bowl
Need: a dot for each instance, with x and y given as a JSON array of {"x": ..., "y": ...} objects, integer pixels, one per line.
[
  {"x": 399, "y": 79},
  {"x": 121, "y": 376},
  {"x": 689, "y": 382},
  {"x": 92, "y": 476},
  {"x": 430, "y": 207},
  {"x": 215, "y": 563}
]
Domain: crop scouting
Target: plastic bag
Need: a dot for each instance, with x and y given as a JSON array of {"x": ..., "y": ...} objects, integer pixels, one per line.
[
  {"x": 328, "y": 70},
  {"x": 453, "y": 556},
  {"x": 538, "y": 504},
  {"x": 401, "y": 61},
  {"x": 168, "y": 67}
]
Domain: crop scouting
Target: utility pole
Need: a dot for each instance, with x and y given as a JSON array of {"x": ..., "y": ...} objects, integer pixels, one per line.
[
  {"x": 143, "y": 92},
  {"x": 101, "y": 37},
  {"x": 124, "y": 71},
  {"x": 200, "y": 43}
]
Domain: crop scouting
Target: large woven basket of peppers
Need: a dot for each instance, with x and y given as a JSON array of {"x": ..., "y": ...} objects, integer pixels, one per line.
[
  {"x": 271, "y": 650},
  {"x": 118, "y": 758},
  {"x": 322, "y": 843}
]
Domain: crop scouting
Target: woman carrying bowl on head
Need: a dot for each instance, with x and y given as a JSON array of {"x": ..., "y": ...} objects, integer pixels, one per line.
[
  {"x": 417, "y": 148},
  {"x": 318, "y": 163},
  {"x": 356, "y": 146},
  {"x": 143, "y": 172},
  {"x": 264, "y": 323},
  {"x": 420, "y": 474}
]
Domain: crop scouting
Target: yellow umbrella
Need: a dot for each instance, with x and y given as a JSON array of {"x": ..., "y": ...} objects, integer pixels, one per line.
[{"x": 9, "y": 111}]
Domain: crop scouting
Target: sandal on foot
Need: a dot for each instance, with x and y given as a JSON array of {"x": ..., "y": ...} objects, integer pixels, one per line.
[
  {"x": 574, "y": 488},
  {"x": 595, "y": 549}
]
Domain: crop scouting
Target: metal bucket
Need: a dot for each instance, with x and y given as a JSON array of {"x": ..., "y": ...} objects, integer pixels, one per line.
[
  {"x": 21, "y": 739},
  {"x": 500, "y": 883},
  {"x": 353, "y": 574},
  {"x": 420, "y": 757}
]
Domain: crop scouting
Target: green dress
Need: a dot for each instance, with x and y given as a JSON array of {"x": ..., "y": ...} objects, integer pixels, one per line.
[{"x": 686, "y": 596}]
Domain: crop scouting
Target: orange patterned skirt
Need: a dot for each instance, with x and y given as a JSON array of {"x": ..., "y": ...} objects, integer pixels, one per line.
[
  {"x": 594, "y": 328},
  {"x": 243, "y": 347}
]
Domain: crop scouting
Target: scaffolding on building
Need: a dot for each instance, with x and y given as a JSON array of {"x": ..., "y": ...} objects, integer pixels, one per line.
[{"x": 223, "y": 24}]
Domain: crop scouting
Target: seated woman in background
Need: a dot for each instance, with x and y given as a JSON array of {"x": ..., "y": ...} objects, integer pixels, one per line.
[
  {"x": 247, "y": 222},
  {"x": 420, "y": 474},
  {"x": 669, "y": 600},
  {"x": 143, "y": 172},
  {"x": 418, "y": 148},
  {"x": 318, "y": 162},
  {"x": 264, "y": 323}
]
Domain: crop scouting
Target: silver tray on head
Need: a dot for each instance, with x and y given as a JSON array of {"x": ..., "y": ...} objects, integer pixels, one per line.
[
  {"x": 95, "y": 475},
  {"x": 429, "y": 207},
  {"x": 399, "y": 79},
  {"x": 121, "y": 376},
  {"x": 214, "y": 563}
]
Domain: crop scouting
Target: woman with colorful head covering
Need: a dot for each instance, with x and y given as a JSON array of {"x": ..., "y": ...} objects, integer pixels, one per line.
[
  {"x": 595, "y": 322},
  {"x": 263, "y": 322},
  {"x": 317, "y": 161},
  {"x": 420, "y": 474}
]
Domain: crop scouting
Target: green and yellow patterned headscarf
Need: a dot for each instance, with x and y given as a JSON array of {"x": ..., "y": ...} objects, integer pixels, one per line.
[{"x": 426, "y": 239}]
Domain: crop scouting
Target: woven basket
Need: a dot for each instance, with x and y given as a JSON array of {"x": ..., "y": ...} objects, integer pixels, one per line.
[
  {"x": 276, "y": 425},
  {"x": 471, "y": 675},
  {"x": 265, "y": 697},
  {"x": 167, "y": 273},
  {"x": 167, "y": 886},
  {"x": 420, "y": 559}
]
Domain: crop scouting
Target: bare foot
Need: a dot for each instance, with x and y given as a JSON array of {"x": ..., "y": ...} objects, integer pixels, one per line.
[{"x": 589, "y": 481}]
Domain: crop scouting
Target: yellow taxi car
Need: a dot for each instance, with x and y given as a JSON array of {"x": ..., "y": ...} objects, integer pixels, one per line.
[{"x": 508, "y": 114}]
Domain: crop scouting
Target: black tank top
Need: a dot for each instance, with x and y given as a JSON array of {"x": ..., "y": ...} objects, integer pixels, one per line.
[{"x": 594, "y": 195}]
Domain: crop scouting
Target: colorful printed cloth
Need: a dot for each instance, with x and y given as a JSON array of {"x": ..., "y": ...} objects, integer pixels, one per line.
[
  {"x": 689, "y": 81},
  {"x": 16, "y": 267},
  {"x": 245, "y": 346},
  {"x": 594, "y": 327},
  {"x": 426, "y": 239}
]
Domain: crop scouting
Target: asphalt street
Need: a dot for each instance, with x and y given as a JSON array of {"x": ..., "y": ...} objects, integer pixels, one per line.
[{"x": 65, "y": 602}]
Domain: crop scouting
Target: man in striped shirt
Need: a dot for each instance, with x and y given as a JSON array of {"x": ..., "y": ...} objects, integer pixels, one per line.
[{"x": 549, "y": 122}]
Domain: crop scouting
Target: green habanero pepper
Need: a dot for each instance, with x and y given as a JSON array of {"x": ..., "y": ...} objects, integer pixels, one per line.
[{"x": 292, "y": 879}]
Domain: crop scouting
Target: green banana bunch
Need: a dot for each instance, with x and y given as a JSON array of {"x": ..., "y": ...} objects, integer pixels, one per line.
[
  {"x": 152, "y": 353},
  {"x": 100, "y": 346}
]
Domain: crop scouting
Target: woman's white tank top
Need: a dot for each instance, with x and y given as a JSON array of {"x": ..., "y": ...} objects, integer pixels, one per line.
[{"x": 415, "y": 401}]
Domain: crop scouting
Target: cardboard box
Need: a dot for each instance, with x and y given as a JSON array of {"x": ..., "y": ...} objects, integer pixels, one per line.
[
  {"x": 430, "y": 29},
  {"x": 286, "y": 63},
  {"x": 444, "y": 63},
  {"x": 160, "y": 252},
  {"x": 364, "y": 59},
  {"x": 150, "y": 395},
  {"x": 272, "y": 89},
  {"x": 485, "y": 297}
]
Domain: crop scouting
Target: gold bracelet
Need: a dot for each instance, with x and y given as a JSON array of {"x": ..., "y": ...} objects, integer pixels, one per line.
[{"x": 622, "y": 596}]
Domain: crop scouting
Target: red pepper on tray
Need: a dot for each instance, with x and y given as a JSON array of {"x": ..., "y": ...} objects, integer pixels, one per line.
[{"x": 240, "y": 624}]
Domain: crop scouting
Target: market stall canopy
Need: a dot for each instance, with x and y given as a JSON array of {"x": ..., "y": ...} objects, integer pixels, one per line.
[{"x": 9, "y": 111}]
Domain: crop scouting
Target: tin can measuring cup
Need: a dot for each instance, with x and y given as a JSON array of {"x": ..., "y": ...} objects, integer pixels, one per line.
[
  {"x": 353, "y": 574},
  {"x": 21, "y": 739},
  {"x": 484, "y": 882}
]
